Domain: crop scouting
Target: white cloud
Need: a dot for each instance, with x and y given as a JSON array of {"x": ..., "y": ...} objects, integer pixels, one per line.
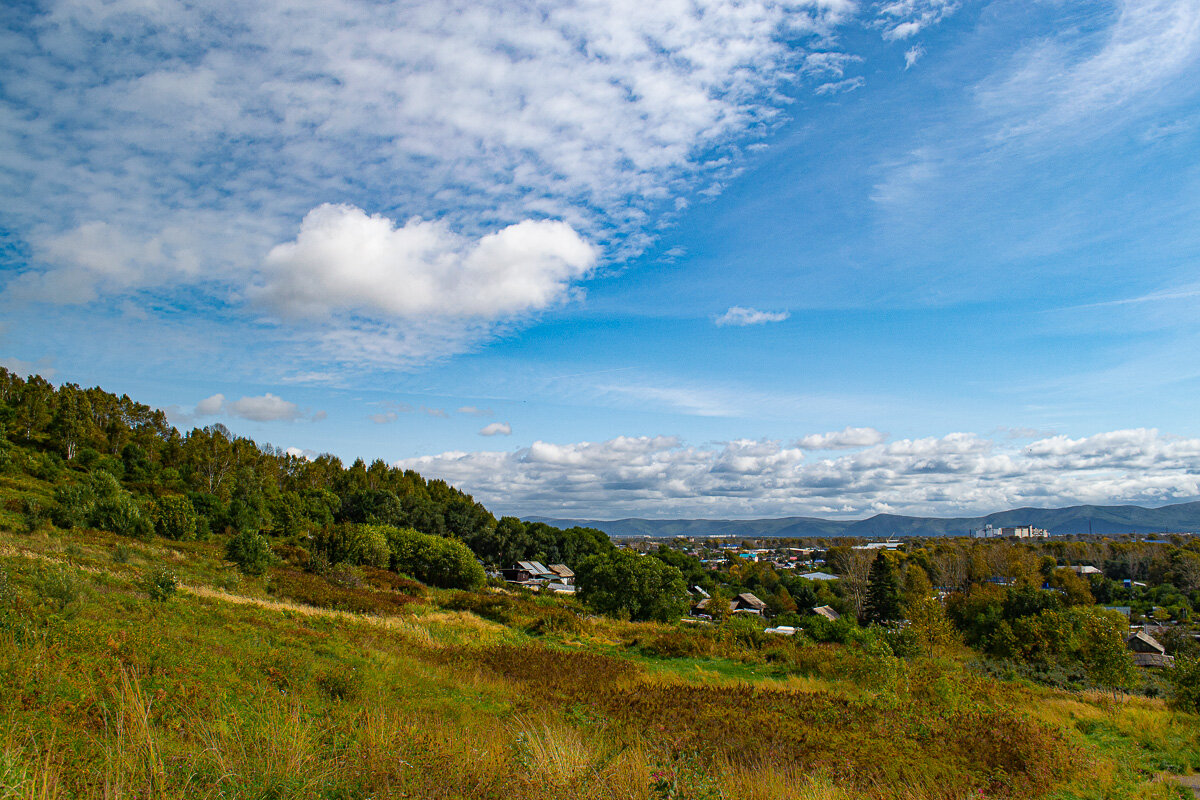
[
  {"x": 740, "y": 316},
  {"x": 842, "y": 440},
  {"x": 475, "y": 412},
  {"x": 496, "y": 429},
  {"x": 210, "y": 406},
  {"x": 840, "y": 87},
  {"x": 912, "y": 55},
  {"x": 904, "y": 19},
  {"x": 346, "y": 261},
  {"x": 264, "y": 408},
  {"x": 958, "y": 474},
  {"x": 510, "y": 142}
]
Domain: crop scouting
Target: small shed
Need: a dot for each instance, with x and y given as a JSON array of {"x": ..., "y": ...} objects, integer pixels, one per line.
[
  {"x": 827, "y": 612},
  {"x": 1142, "y": 642},
  {"x": 746, "y": 603},
  {"x": 563, "y": 573}
]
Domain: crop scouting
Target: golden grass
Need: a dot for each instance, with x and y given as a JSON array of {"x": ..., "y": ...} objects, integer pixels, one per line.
[{"x": 556, "y": 753}]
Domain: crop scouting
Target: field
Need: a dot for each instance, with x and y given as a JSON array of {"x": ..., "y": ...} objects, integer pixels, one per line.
[{"x": 362, "y": 684}]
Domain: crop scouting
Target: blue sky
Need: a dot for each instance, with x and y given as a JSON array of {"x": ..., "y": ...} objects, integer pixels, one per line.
[{"x": 603, "y": 259}]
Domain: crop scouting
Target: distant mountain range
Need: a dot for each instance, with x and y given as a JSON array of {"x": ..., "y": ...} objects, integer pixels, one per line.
[{"x": 1178, "y": 518}]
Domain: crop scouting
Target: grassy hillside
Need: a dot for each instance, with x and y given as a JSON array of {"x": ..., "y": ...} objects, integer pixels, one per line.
[{"x": 359, "y": 683}]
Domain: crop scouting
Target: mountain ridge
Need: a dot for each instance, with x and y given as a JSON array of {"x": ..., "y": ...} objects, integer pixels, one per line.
[{"x": 1174, "y": 518}]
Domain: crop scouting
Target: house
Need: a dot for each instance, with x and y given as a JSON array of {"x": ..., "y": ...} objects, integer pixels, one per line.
[
  {"x": 819, "y": 576},
  {"x": 827, "y": 612},
  {"x": 746, "y": 603},
  {"x": 1086, "y": 569},
  {"x": 1147, "y": 651},
  {"x": 528, "y": 572},
  {"x": 563, "y": 573}
]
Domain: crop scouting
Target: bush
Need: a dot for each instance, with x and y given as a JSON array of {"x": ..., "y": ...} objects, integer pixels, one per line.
[
  {"x": 445, "y": 563},
  {"x": 351, "y": 543},
  {"x": 73, "y": 506},
  {"x": 1185, "y": 682},
  {"x": 59, "y": 588},
  {"x": 121, "y": 514},
  {"x": 251, "y": 552},
  {"x": 174, "y": 517},
  {"x": 160, "y": 584}
]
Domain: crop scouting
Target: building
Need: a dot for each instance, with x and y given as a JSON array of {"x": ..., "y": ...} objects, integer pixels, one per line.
[
  {"x": 563, "y": 573},
  {"x": 819, "y": 576},
  {"x": 528, "y": 572},
  {"x": 1015, "y": 531},
  {"x": 1086, "y": 569},
  {"x": 1148, "y": 651},
  {"x": 827, "y": 612}
]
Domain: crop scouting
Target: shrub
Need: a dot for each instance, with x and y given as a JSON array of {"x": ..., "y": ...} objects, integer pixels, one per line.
[
  {"x": 121, "y": 514},
  {"x": 73, "y": 505},
  {"x": 174, "y": 517},
  {"x": 344, "y": 684},
  {"x": 59, "y": 588},
  {"x": 160, "y": 584},
  {"x": 352, "y": 543},
  {"x": 251, "y": 552},
  {"x": 1185, "y": 683},
  {"x": 121, "y": 554},
  {"x": 437, "y": 561}
]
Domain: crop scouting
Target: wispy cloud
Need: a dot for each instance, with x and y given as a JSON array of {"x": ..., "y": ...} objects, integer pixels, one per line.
[{"x": 741, "y": 316}]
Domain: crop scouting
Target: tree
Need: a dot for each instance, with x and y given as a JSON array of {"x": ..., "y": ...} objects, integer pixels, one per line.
[
  {"x": 883, "y": 602},
  {"x": 854, "y": 567},
  {"x": 251, "y": 552},
  {"x": 929, "y": 624},
  {"x": 174, "y": 517},
  {"x": 623, "y": 583},
  {"x": 1185, "y": 681},
  {"x": 435, "y": 560},
  {"x": 1104, "y": 653}
]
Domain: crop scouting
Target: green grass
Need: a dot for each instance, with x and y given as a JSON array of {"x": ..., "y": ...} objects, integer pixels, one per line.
[{"x": 364, "y": 685}]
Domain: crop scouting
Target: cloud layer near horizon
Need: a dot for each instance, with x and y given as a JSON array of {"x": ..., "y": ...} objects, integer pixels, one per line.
[{"x": 957, "y": 474}]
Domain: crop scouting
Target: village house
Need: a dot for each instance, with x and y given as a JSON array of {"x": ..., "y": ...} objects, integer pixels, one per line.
[
  {"x": 1147, "y": 651},
  {"x": 827, "y": 612}
]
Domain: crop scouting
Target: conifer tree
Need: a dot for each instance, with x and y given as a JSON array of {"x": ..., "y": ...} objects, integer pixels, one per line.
[{"x": 883, "y": 592}]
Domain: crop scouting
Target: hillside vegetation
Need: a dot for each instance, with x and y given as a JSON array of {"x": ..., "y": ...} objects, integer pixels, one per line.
[{"x": 164, "y": 634}]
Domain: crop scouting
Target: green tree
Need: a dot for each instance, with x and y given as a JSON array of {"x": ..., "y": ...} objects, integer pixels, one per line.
[
  {"x": 1185, "y": 683},
  {"x": 929, "y": 624},
  {"x": 883, "y": 602},
  {"x": 251, "y": 552},
  {"x": 435, "y": 560},
  {"x": 624, "y": 583},
  {"x": 1103, "y": 651},
  {"x": 173, "y": 517}
]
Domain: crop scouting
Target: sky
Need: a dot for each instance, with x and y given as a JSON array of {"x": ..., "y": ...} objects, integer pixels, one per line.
[{"x": 607, "y": 258}]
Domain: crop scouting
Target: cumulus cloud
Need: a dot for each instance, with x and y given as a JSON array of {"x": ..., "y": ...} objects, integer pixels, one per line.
[
  {"x": 957, "y": 474},
  {"x": 347, "y": 261},
  {"x": 844, "y": 439},
  {"x": 496, "y": 429},
  {"x": 263, "y": 408},
  {"x": 740, "y": 316}
]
